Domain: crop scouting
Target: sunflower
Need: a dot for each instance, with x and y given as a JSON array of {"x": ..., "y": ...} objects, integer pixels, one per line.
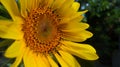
[{"x": 46, "y": 33}]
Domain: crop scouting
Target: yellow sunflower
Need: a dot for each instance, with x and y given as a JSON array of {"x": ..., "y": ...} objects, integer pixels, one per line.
[{"x": 45, "y": 33}]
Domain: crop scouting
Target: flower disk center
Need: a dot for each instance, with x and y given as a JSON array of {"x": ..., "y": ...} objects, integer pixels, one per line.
[{"x": 41, "y": 32}]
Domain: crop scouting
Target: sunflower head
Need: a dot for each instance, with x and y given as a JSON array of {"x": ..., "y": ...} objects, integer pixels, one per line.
[{"x": 46, "y": 32}]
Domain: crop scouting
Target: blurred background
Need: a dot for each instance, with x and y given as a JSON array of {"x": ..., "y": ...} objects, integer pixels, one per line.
[{"x": 104, "y": 19}]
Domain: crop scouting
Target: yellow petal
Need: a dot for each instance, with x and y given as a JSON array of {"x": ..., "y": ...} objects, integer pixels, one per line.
[
  {"x": 76, "y": 17},
  {"x": 70, "y": 11},
  {"x": 52, "y": 62},
  {"x": 57, "y": 4},
  {"x": 77, "y": 36},
  {"x": 69, "y": 59},
  {"x": 29, "y": 58},
  {"x": 84, "y": 54},
  {"x": 46, "y": 3},
  {"x": 49, "y": 2},
  {"x": 36, "y": 3},
  {"x": 17, "y": 61},
  {"x": 61, "y": 61},
  {"x": 11, "y": 7},
  {"x": 79, "y": 46},
  {"x": 28, "y": 5},
  {"x": 41, "y": 62},
  {"x": 71, "y": 26},
  {"x": 11, "y": 31},
  {"x": 23, "y": 7},
  {"x": 15, "y": 49},
  {"x": 19, "y": 58},
  {"x": 5, "y": 22},
  {"x": 75, "y": 6},
  {"x": 67, "y": 9},
  {"x": 65, "y": 6},
  {"x": 44, "y": 58}
]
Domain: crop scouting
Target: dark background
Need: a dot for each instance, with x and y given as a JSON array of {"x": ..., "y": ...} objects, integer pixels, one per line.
[{"x": 104, "y": 19}]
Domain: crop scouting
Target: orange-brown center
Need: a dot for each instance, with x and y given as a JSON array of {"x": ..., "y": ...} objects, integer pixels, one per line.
[{"x": 41, "y": 32}]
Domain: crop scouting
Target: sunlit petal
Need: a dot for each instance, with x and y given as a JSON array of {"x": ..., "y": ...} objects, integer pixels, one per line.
[
  {"x": 61, "y": 61},
  {"x": 12, "y": 8}
]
